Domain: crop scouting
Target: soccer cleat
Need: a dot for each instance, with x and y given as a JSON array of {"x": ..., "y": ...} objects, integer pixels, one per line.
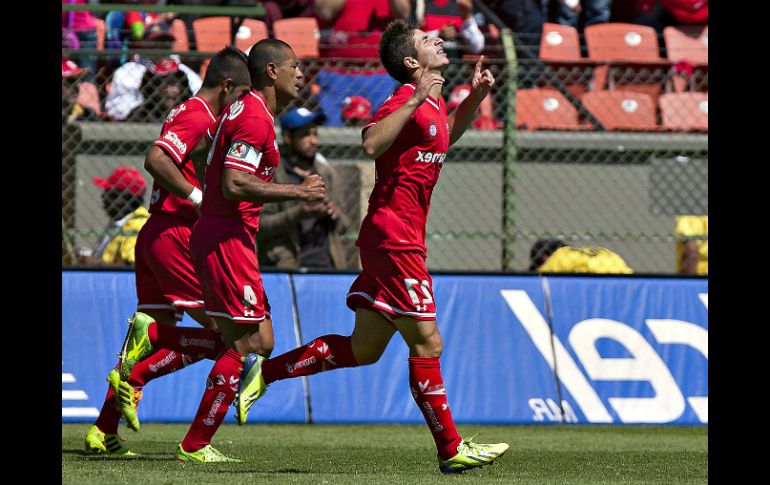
[
  {"x": 126, "y": 398},
  {"x": 472, "y": 455},
  {"x": 97, "y": 443},
  {"x": 137, "y": 345},
  {"x": 251, "y": 387},
  {"x": 207, "y": 454}
]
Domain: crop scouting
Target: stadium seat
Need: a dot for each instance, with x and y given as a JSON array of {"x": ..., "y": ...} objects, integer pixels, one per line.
[
  {"x": 337, "y": 84},
  {"x": 685, "y": 111},
  {"x": 301, "y": 33},
  {"x": 560, "y": 51},
  {"x": 545, "y": 109},
  {"x": 181, "y": 39},
  {"x": 211, "y": 33},
  {"x": 88, "y": 97},
  {"x": 631, "y": 52},
  {"x": 685, "y": 44},
  {"x": 101, "y": 32},
  {"x": 249, "y": 33},
  {"x": 621, "y": 110}
]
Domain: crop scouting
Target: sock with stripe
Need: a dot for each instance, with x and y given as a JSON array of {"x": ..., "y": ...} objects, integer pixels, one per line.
[{"x": 324, "y": 353}]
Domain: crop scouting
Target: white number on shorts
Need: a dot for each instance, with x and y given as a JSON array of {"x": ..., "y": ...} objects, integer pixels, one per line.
[
  {"x": 248, "y": 294},
  {"x": 424, "y": 286}
]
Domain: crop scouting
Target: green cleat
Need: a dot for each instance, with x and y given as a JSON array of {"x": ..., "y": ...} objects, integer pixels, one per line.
[
  {"x": 98, "y": 443},
  {"x": 251, "y": 387},
  {"x": 137, "y": 345},
  {"x": 126, "y": 399},
  {"x": 207, "y": 454},
  {"x": 472, "y": 455}
]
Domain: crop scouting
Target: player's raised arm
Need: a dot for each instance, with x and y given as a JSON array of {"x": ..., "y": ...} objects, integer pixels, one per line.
[
  {"x": 380, "y": 136},
  {"x": 481, "y": 82},
  {"x": 239, "y": 185}
]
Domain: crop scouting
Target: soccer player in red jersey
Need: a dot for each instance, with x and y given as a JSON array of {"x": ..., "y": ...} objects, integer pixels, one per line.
[
  {"x": 237, "y": 182},
  {"x": 408, "y": 139},
  {"x": 166, "y": 284}
]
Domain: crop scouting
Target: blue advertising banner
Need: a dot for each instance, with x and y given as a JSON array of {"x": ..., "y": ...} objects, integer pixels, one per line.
[
  {"x": 625, "y": 350},
  {"x": 95, "y": 306}
]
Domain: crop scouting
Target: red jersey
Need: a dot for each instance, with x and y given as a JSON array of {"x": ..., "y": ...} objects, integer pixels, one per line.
[
  {"x": 356, "y": 30},
  {"x": 406, "y": 175},
  {"x": 184, "y": 127},
  {"x": 245, "y": 141}
]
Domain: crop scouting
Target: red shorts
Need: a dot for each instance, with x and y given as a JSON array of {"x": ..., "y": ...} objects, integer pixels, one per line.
[
  {"x": 165, "y": 278},
  {"x": 394, "y": 282},
  {"x": 225, "y": 259}
]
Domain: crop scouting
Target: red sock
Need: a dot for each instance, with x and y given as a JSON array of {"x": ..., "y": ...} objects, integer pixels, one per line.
[
  {"x": 109, "y": 416},
  {"x": 322, "y": 354},
  {"x": 159, "y": 364},
  {"x": 221, "y": 386},
  {"x": 428, "y": 391},
  {"x": 187, "y": 340}
]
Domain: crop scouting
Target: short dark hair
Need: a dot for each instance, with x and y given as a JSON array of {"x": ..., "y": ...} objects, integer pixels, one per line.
[
  {"x": 264, "y": 52},
  {"x": 541, "y": 248},
  {"x": 229, "y": 62},
  {"x": 396, "y": 44}
]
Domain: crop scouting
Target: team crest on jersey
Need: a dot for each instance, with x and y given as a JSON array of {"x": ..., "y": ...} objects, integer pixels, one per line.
[
  {"x": 245, "y": 152},
  {"x": 235, "y": 109},
  {"x": 432, "y": 130},
  {"x": 174, "y": 112}
]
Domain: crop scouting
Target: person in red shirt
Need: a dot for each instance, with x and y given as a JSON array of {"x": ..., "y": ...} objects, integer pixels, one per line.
[
  {"x": 408, "y": 139},
  {"x": 352, "y": 28},
  {"x": 166, "y": 284},
  {"x": 238, "y": 176}
]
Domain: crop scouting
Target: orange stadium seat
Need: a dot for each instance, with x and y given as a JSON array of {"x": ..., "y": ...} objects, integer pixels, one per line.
[
  {"x": 249, "y": 33},
  {"x": 560, "y": 51},
  {"x": 301, "y": 33},
  {"x": 545, "y": 109},
  {"x": 101, "y": 30},
  {"x": 211, "y": 33},
  {"x": 631, "y": 52},
  {"x": 181, "y": 39},
  {"x": 621, "y": 110},
  {"x": 690, "y": 44},
  {"x": 685, "y": 111}
]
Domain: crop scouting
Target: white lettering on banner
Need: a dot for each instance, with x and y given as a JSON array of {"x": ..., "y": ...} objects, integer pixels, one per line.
[
  {"x": 568, "y": 372},
  {"x": 645, "y": 365},
  {"x": 667, "y": 331},
  {"x": 75, "y": 395},
  {"x": 549, "y": 409}
]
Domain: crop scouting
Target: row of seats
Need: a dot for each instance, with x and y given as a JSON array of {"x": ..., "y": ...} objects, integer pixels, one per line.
[{"x": 549, "y": 109}]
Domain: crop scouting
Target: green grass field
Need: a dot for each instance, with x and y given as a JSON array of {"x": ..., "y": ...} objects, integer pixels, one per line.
[{"x": 321, "y": 454}]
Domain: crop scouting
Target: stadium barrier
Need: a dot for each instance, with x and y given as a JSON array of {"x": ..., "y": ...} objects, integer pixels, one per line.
[{"x": 625, "y": 350}]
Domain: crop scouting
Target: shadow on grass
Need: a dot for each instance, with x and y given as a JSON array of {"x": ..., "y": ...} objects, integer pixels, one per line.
[{"x": 104, "y": 457}]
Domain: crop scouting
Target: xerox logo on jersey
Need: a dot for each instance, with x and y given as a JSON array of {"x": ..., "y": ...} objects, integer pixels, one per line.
[
  {"x": 243, "y": 151},
  {"x": 174, "y": 112},
  {"x": 174, "y": 139},
  {"x": 432, "y": 130},
  {"x": 430, "y": 157},
  {"x": 235, "y": 109}
]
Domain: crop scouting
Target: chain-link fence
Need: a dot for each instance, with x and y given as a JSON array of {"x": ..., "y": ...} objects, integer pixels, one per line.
[{"x": 605, "y": 154}]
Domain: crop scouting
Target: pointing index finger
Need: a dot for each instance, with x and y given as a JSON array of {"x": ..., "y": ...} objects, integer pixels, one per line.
[{"x": 478, "y": 64}]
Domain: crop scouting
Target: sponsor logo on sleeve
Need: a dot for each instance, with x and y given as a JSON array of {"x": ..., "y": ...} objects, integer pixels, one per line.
[
  {"x": 235, "y": 109},
  {"x": 172, "y": 137}
]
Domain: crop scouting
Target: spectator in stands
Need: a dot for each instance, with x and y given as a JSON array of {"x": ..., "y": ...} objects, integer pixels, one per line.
[
  {"x": 453, "y": 22},
  {"x": 692, "y": 245},
  {"x": 569, "y": 12},
  {"x": 660, "y": 14},
  {"x": 352, "y": 28},
  {"x": 133, "y": 26},
  {"x": 163, "y": 87},
  {"x": 79, "y": 32},
  {"x": 129, "y": 81},
  {"x": 294, "y": 233},
  {"x": 525, "y": 19},
  {"x": 554, "y": 256},
  {"x": 281, "y": 9},
  {"x": 356, "y": 111},
  {"x": 71, "y": 107},
  {"x": 123, "y": 201}
]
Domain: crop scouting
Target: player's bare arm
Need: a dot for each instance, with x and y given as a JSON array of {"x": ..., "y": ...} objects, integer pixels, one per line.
[
  {"x": 380, "y": 137},
  {"x": 481, "y": 82},
  {"x": 239, "y": 185},
  {"x": 198, "y": 157},
  {"x": 166, "y": 173}
]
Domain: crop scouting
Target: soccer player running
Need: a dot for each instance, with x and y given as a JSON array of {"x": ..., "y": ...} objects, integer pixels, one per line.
[
  {"x": 166, "y": 284},
  {"x": 408, "y": 139},
  {"x": 237, "y": 182}
]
